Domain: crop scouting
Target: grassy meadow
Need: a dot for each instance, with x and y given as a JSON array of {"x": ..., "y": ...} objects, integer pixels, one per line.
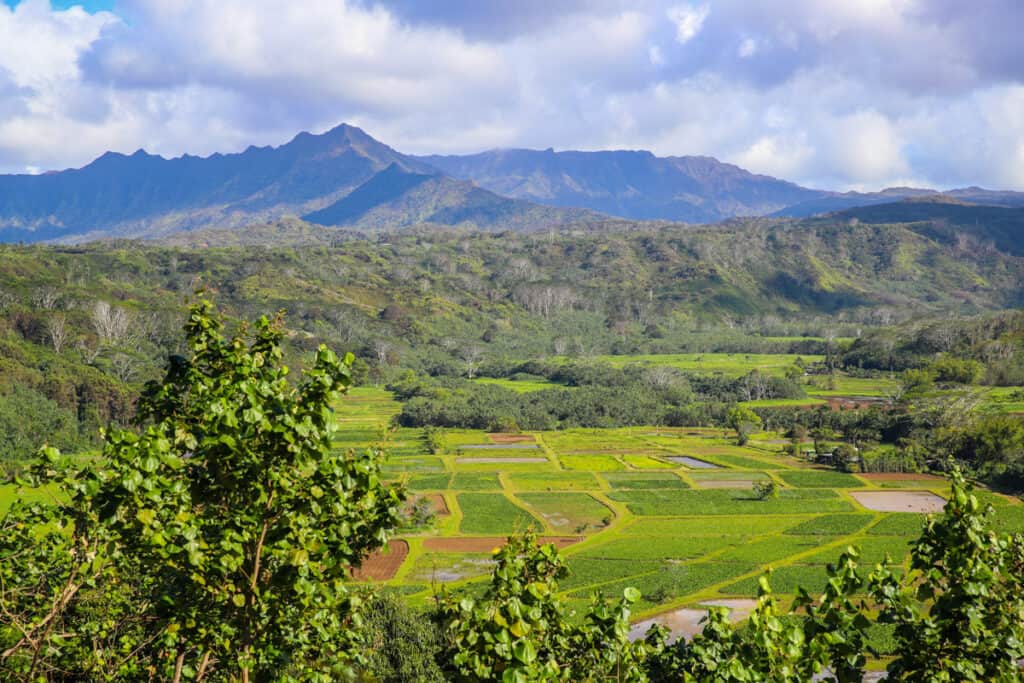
[{"x": 670, "y": 511}]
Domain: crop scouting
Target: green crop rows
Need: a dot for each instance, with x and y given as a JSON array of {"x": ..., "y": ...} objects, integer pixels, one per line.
[{"x": 629, "y": 515}]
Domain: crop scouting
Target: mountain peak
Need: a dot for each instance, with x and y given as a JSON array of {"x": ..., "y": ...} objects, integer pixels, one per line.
[{"x": 629, "y": 183}]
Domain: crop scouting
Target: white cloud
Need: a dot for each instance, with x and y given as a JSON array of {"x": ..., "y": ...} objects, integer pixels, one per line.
[
  {"x": 865, "y": 145},
  {"x": 39, "y": 48},
  {"x": 825, "y": 92},
  {"x": 688, "y": 20}
]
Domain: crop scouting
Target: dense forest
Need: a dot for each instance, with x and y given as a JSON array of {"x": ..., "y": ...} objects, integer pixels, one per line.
[{"x": 425, "y": 312}]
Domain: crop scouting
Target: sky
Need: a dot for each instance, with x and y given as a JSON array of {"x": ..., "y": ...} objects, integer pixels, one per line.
[{"x": 838, "y": 94}]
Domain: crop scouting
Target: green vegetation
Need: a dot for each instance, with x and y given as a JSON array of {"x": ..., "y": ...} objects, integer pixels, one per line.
[
  {"x": 509, "y": 376},
  {"x": 808, "y": 479},
  {"x": 715, "y": 502},
  {"x": 643, "y": 480},
  {"x": 568, "y": 512},
  {"x": 220, "y": 535},
  {"x": 832, "y": 525},
  {"x": 560, "y": 481},
  {"x": 490, "y": 514},
  {"x": 474, "y": 481}
]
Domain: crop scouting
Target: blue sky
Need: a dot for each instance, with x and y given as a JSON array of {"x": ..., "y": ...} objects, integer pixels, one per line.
[
  {"x": 830, "y": 93},
  {"x": 88, "y": 5}
]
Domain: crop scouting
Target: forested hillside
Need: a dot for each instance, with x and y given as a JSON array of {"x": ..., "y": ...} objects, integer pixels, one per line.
[{"x": 84, "y": 326}]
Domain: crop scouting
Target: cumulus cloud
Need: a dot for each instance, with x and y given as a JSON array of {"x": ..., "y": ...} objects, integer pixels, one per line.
[
  {"x": 688, "y": 20},
  {"x": 825, "y": 92}
]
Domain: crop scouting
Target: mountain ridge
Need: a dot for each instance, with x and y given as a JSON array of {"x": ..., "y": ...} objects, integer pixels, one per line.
[{"x": 345, "y": 178}]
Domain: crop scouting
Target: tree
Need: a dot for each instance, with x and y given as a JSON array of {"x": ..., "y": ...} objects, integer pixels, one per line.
[
  {"x": 58, "y": 331},
  {"x": 765, "y": 490},
  {"x": 226, "y": 527},
  {"x": 959, "y": 613},
  {"x": 844, "y": 456},
  {"x": 520, "y": 631},
  {"x": 744, "y": 420},
  {"x": 110, "y": 322},
  {"x": 402, "y": 644}
]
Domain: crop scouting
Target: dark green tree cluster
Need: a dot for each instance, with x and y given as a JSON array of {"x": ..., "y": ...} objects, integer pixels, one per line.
[{"x": 213, "y": 543}]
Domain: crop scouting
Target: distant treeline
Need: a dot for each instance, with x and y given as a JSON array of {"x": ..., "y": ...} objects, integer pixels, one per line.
[{"x": 594, "y": 395}]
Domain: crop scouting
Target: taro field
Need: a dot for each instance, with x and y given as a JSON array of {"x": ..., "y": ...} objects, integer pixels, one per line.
[{"x": 671, "y": 512}]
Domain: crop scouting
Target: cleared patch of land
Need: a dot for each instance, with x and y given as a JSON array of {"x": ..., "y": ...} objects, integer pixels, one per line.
[
  {"x": 900, "y": 501},
  {"x": 383, "y": 564}
]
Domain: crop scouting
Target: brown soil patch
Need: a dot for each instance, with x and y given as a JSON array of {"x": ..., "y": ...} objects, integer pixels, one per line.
[
  {"x": 900, "y": 501},
  {"x": 383, "y": 564},
  {"x": 438, "y": 505},
  {"x": 501, "y": 437},
  {"x": 487, "y": 543},
  {"x": 897, "y": 476}
]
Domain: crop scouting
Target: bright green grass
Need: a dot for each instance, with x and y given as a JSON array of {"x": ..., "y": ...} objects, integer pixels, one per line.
[
  {"x": 672, "y": 581},
  {"x": 454, "y": 438},
  {"x": 741, "y": 461},
  {"x": 553, "y": 481},
  {"x": 593, "y": 440},
  {"x": 646, "y": 462},
  {"x": 464, "y": 452},
  {"x": 873, "y": 549},
  {"x": 679, "y": 548},
  {"x": 743, "y": 527},
  {"x": 729, "y": 502},
  {"x": 567, "y": 512},
  {"x": 521, "y": 386},
  {"x": 899, "y": 524},
  {"x": 586, "y": 571},
  {"x": 1005, "y": 399},
  {"x": 726, "y": 475},
  {"x": 644, "y": 480},
  {"x": 784, "y": 402},
  {"x": 823, "y": 479},
  {"x": 429, "y": 482},
  {"x": 832, "y": 525},
  {"x": 476, "y": 481},
  {"x": 416, "y": 464},
  {"x": 784, "y": 580},
  {"x": 492, "y": 514},
  {"x": 591, "y": 463},
  {"x": 729, "y": 364},
  {"x": 868, "y": 387},
  {"x": 937, "y": 485},
  {"x": 989, "y": 498},
  {"x": 770, "y": 549},
  {"x": 505, "y": 465}
]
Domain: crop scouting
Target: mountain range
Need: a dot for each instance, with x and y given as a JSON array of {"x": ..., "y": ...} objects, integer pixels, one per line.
[{"x": 344, "y": 178}]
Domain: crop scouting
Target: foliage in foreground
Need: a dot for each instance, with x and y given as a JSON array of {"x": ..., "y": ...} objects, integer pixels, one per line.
[
  {"x": 521, "y": 631},
  {"x": 215, "y": 543},
  {"x": 958, "y": 615}
]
